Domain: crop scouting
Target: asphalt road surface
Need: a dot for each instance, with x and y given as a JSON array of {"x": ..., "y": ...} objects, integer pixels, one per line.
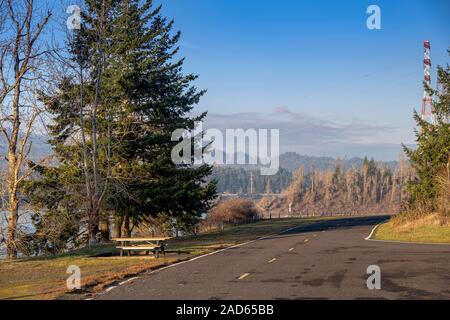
[{"x": 326, "y": 260}]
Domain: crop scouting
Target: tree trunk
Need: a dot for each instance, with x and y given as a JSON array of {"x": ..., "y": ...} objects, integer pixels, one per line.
[
  {"x": 12, "y": 226},
  {"x": 93, "y": 227},
  {"x": 104, "y": 228},
  {"x": 126, "y": 230},
  {"x": 13, "y": 171},
  {"x": 118, "y": 220}
]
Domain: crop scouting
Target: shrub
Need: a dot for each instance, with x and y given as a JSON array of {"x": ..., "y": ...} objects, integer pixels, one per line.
[{"x": 232, "y": 211}]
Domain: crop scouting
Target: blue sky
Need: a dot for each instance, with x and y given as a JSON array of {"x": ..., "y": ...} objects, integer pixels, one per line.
[
  {"x": 311, "y": 68},
  {"x": 314, "y": 60}
]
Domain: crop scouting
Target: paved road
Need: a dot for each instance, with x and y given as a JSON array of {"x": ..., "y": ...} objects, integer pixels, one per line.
[{"x": 327, "y": 260}]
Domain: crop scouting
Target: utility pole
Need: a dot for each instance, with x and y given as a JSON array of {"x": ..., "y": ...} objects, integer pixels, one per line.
[{"x": 251, "y": 184}]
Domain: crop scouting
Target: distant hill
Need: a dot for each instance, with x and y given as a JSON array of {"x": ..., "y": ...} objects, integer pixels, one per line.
[{"x": 291, "y": 161}]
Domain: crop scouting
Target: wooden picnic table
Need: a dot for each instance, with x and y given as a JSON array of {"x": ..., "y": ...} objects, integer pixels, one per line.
[{"x": 153, "y": 244}]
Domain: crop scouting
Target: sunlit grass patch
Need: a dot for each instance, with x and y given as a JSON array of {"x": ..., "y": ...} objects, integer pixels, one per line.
[{"x": 429, "y": 229}]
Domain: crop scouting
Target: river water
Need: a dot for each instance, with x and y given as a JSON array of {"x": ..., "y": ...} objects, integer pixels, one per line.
[{"x": 24, "y": 223}]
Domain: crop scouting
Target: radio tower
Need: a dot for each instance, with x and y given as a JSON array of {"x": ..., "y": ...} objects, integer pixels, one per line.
[{"x": 427, "y": 108}]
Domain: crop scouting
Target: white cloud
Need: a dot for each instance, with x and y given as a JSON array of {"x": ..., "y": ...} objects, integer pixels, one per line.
[{"x": 314, "y": 135}]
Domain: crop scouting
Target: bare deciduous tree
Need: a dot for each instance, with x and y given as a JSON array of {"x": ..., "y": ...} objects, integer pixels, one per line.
[{"x": 20, "y": 53}]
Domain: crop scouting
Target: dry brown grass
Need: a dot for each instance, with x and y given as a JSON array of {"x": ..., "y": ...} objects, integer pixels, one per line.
[
  {"x": 435, "y": 220},
  {"x": 426, "y": 220},
  {"x": 432, "y": 212},
  {"x": 430, "y": 228},
  {"x": 46, "y": 278}
]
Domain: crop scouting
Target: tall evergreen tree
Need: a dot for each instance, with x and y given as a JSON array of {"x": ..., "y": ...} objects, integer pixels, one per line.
[
  {"x": 114, "y": 118},
  {"x": 432, "y": 155},
  {"x": 152, "y": 98}
]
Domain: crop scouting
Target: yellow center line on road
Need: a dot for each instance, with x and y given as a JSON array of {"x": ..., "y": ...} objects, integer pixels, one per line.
[
  {"x": 274, "y": 259},
  {"x": 245, "y": 275},
  {"x": 291, "y": 249}
]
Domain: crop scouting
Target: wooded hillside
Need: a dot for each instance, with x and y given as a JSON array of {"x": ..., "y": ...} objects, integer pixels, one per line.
[{"x": 368, "y": 189}]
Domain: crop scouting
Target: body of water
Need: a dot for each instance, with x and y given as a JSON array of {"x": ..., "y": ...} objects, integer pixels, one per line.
[{"x": 24, "y": 223}]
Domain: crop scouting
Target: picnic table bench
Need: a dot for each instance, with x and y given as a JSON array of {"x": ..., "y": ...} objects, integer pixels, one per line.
[{"x": 155, "y": 244}]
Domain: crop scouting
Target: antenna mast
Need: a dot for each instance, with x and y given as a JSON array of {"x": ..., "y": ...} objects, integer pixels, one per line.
[{"x": 427, "y": 107}]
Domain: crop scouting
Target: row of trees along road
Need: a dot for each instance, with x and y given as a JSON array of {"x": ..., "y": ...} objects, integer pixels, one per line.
[{"x": 120, "y": 95}]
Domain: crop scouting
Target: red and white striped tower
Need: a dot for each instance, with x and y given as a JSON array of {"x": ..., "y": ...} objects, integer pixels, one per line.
[{"x": 427, "y": 108}]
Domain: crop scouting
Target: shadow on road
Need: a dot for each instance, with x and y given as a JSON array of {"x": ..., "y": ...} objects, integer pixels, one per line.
[{"x": 340, "y": 223}]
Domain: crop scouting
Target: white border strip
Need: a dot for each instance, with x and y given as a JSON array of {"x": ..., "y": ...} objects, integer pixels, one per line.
[
  {"x": 126, "y": 281},
  {"x": 372, "y": 232},
  {"x": 110, "y": 288}
]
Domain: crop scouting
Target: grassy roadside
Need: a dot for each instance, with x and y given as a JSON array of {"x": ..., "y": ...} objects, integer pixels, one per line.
[
  {"x": 45, "y": 277},
  {"x": 429, "y": 229}
]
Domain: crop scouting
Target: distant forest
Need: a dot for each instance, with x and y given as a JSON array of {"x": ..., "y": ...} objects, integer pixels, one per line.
[
  {"x": 370, "y": 187},
  {"x": 236, "y": 179}
]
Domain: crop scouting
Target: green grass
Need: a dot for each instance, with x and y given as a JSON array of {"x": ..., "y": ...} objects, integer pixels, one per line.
[
  {"x": 420, "y": 233},
  {"x": 45, "y": 277}
]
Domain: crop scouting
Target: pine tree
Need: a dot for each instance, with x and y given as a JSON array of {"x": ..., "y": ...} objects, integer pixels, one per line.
[
  {"x": 432, "y": 155},
  {"x": 151, "y": 99},
  {"x": 128, "y": 98}
]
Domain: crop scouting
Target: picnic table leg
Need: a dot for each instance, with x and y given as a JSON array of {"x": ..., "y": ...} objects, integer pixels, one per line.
[
  {"x": 121, "y": 249},
  {"x": 129, "y": 253},
  {"x": 156, "y": 253},
  {"x": 162, "y": 245}
]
